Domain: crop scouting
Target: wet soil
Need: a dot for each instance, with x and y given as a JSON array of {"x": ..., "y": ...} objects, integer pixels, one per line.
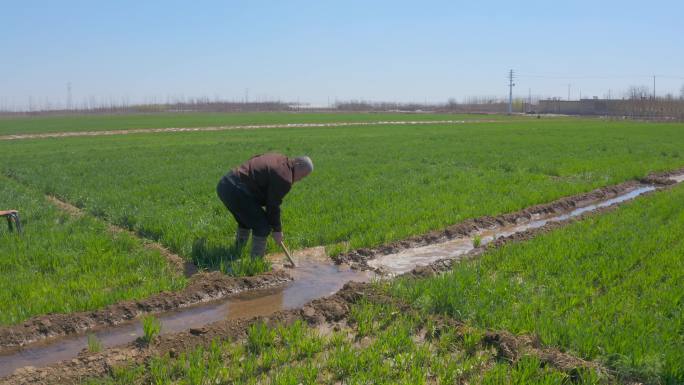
[{"x": 236, "y": 127}]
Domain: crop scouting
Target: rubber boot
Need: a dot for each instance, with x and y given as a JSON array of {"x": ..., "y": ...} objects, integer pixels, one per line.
[
  {"x": 241, "y": 238},
  {"x": 258, "y": 246}
]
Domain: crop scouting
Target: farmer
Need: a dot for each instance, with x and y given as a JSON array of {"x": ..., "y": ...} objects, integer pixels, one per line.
[{"x": 260, "y": 183}]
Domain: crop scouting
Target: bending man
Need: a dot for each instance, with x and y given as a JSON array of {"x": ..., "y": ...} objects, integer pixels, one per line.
[{"x": 261, "y": 182}]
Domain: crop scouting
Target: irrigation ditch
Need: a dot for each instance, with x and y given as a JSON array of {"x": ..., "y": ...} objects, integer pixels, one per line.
[{"x": 319, "y": 291}]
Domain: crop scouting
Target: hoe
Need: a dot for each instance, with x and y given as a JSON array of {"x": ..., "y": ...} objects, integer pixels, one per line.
[{"x": 287, "y": 254}]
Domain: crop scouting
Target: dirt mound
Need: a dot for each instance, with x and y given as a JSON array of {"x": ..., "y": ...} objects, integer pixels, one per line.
[{"x": 512, "y": 348}]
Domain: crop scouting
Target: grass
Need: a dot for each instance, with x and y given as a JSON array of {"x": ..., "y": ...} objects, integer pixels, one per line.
[
  {"x": 395, "y": 350},
  {"x": 371, "y": 185},
  {"x": 477, "y": 240},
  {"x": 94, "y": 344},
  {"x": 43, "y": 124},
  {"x": 151, "y": 326},
  {"x": 609, "y": 288},
  {"x": 63, "y": 264},
  {"x": 228, "y": 259}
]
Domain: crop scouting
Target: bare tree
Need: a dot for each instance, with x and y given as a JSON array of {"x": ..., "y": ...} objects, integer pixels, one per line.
[
  {"x": 638, "y": 92},
  {"x": 681, "y": 92}
]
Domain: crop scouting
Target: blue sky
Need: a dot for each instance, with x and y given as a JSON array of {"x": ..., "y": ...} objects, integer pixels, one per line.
[{"x": 317, "y": 51}]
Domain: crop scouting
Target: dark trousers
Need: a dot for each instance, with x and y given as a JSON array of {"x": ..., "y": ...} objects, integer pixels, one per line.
[{"x": 241, "y": 203}]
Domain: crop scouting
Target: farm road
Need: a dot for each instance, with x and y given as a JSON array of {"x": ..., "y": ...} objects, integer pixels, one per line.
[{"x": 235, "y": 127}]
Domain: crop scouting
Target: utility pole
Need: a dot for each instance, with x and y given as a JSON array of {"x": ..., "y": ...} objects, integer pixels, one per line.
[
  {"x": 510, "y": 92},
  {"x": 568, "y": 92},
  {"x": 68, "y": 106},
  {"x": 529, "y": 100},
  {"x": 654, "y": 87}
]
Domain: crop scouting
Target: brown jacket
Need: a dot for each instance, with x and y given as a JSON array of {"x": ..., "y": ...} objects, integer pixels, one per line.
[{"x": 269, "y": 177}]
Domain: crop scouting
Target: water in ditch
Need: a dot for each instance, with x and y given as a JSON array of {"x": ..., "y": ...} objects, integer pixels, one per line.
[
  {"x": 408, "y": 259},
  {"x": 312, "y": 279}
]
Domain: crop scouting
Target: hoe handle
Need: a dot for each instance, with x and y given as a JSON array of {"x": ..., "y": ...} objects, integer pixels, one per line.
[{"x": 287, "y": 254}]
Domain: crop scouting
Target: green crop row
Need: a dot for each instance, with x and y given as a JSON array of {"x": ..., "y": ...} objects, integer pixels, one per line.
[
  {"x": 371, "y": 185},
  {"x": 382, "y": 346},
  {"x": 64, "y": 264},
  {"x": 610, "y": 288},
  {"x": 70, "y": 123}
]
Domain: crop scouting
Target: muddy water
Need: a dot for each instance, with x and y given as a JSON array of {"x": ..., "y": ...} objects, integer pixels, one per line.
[
  {"x": 406, "y": 260},
  {"x": 313, "y": 278}
]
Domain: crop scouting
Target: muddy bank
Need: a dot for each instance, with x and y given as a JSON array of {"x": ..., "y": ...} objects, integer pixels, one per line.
[
  {"x": 202, "y": 287},
  {"x": 359, "y": 258},
  {"x": 665, "y": 177},
  {"x": 326, "y": 312},
  {"x": 236, "y": 127}
]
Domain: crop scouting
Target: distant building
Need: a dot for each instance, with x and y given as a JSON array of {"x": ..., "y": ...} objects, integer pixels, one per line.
[{"x": 647, "y": 108}]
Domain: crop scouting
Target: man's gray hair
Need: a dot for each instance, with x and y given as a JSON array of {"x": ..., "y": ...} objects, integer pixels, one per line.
[{"x": 304, "y": 162}]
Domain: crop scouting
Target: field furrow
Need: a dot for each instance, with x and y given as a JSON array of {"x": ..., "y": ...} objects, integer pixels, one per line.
[{"x": 64, "y": 264}]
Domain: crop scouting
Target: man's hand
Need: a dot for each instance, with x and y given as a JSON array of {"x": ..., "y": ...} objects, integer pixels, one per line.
[{"x": 278, "y": 237}]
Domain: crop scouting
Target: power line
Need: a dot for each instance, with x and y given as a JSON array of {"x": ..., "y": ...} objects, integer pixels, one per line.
[{"x": 562, "y": 76}]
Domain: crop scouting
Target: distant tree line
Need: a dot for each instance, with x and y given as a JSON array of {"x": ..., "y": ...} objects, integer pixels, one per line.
[
  {"x": 197, "y": 105},
  {"x": 637, "y": 101}
]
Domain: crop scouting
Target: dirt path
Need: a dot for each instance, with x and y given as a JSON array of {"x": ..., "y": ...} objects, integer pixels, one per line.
[{"x": 235, "y": 127}]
